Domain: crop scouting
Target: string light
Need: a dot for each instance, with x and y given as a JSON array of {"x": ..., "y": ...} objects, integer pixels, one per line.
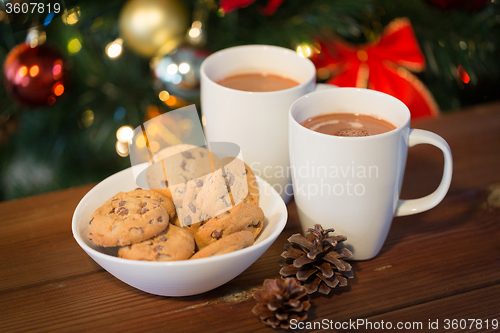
[
  {"x": 114, "y": 49},
  {"x": 71, "y": 16},
  {"x": 58, "y": 89},
  {"x": 87, "y": 118},
  {"x": 195, "y": 33},
  {"x": 164, "y": 95},
  {"x": 304, "y": 50},
  {"x": 172, "y": 69},
  {"x": 184, "y": 68},
  {"x": 125, "y": 134},
  {"x": 74, "y": 46},
  {"x": 122, "y": 149},
  {"x": 36, "y": 37},
  {"x": 462, "y": 74}
]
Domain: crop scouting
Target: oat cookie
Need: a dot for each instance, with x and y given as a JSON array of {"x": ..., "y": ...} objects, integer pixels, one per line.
[
  {"x": 243, "y": 216},
  {"x": 129, "y": 218},
  {"x": 174, "y": 244},
  {"x": 236, "y": 241}
]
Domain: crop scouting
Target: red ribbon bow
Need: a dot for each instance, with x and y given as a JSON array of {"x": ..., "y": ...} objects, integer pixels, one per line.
[{"x": 383, "y": 65}]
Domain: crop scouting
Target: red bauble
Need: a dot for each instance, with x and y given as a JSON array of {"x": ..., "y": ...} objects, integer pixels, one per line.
[{"x": 34, "y": 76}]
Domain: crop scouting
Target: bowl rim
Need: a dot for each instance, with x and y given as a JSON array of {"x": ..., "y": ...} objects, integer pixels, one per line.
[{"x": 278, "y": 228}]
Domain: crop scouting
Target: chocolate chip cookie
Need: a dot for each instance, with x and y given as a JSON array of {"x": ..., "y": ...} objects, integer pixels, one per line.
[
  {"x": 243, "y": 216},
  {"x": 236, "y": 241},
  {"x": 176, "y": 165},
  {"x": 174, "y": 244},
  {"x": 240, "y": 180},
  {"x": 129, "y": 218},
  {"x": 205, "y": 197}
]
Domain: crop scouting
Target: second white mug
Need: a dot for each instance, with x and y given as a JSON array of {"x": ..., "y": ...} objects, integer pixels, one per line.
[{"x": 352, "y": 184}]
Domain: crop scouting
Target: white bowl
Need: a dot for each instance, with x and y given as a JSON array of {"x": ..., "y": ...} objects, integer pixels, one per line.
[{"x": 175, "y": 278}]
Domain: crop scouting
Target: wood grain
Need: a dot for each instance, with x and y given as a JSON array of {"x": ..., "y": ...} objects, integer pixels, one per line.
[{"x": 443, "y": 263}]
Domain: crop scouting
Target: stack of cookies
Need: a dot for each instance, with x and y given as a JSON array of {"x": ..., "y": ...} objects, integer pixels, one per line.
[{"x": 214, "y": 213}]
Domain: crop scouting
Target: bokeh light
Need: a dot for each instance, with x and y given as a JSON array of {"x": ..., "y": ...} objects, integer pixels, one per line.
[
  {"x": 34, "y": 70},
  {"x": 125, "y": 134},
  {"x": 184, "y": 68},
  {"x": 462, "y": 74},
  {"x": 172, "y": 69},
  {"x": 23, "y": 70},
  {"x": 164, "y": 95},
  {"x": 122, "y": 148},
  {"x": 114, "y": 49},
  {"x": 304, "y": 50},
  {"x": 74, "y": 45},
  {"x": 87, "y": 118},
  {"x": 71, "y": 16},
  {"x": 58, "y": 89}
]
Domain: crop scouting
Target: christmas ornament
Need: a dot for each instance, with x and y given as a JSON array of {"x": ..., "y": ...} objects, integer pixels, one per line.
[
  {"x": 178, "y": 73},
  {"x": 34, "y": 76},
  {"x": 468, "y": 5},
  {"x": 151, "y": 27},
  {"x": 280, "y": 302},
  {"x": 230, "y": 5},
  {"x": 383, "y": 65},
  {"x": 316, "y": 261}
]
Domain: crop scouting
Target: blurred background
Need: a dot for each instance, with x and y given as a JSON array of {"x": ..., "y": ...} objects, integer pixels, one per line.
[{"x": 78, "y": 76}]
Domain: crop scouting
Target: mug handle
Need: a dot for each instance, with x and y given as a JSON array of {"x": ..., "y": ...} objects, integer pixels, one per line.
[{"x": 413, "y": 206}]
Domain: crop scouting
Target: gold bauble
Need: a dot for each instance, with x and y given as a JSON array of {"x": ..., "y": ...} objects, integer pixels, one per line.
[{"x": 152, "y": 27}]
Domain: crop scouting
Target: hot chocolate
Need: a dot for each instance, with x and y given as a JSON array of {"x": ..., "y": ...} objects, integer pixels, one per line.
[
  {"x": 348, "y": 124},
  {"x": 257, "y": 82}
]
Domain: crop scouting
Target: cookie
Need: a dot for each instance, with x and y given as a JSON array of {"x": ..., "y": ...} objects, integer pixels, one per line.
[
  {"x": 174, "y": 244},
  {"x": 130, "y": 218},
  {"x": 231, "y": 183},
  {"x": 253, "y": 187},
  {"x": 176, "y": 165},
  {"x": 175, "y": 221},
  {"x": 241, "y": 180},
  {"x": 243, "y": 216},
  {"x": 236, "y": 241},
  {"x": 204, "y": 198}
]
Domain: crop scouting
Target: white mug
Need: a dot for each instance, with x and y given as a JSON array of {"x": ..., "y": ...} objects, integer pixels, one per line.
[
  {"x": 256, "y": 121},
  {"x": 352, "y": 184}
]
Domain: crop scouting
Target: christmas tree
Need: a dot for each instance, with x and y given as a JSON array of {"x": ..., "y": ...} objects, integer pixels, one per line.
[{"x": 115, "y": 64}]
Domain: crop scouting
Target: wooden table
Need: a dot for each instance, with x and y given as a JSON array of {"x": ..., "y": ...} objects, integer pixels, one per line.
[{"x": 437, "y": 265}]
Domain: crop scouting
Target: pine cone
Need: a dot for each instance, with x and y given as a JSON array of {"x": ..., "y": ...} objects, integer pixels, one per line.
[
  {"x": 280, "y": 302},
  {"x": 316, "y": 261}
]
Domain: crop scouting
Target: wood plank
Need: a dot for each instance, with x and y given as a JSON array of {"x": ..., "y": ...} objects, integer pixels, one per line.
[
  {"x": 36, "y": 242},
  {"x": 480, "y": 305}
]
